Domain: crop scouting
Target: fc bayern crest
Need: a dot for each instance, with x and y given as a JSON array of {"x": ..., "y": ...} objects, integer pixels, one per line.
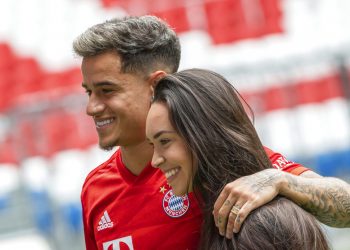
[{"x": 175, "y": 206}]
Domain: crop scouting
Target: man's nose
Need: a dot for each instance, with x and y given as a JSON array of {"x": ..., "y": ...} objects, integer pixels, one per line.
[{"x": 94, "y": 106}]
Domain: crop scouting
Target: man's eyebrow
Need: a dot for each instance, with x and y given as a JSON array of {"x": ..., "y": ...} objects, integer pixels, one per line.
[
  {"x": 101, "y": 84},
  {"x": 98, "y": 84},
  {"x": 162, "y": 132}
]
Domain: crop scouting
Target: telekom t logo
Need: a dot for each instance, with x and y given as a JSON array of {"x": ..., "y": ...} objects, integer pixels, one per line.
[{"x": 124, "y": 243}]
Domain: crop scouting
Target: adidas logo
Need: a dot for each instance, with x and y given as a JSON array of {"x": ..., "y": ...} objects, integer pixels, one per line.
[{"x": 105, "y": 222}]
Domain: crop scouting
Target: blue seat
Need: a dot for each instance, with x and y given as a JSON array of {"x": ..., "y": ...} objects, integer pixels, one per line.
[
  {"x": 72, "y": 214},
  {"x": 334, "y": 163},
  {"x": 42, "y": 212},
  {"x": 4, "y": 201}
]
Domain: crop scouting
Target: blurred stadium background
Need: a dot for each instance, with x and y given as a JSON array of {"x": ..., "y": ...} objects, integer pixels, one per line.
[{"x": 289, "y": 58}]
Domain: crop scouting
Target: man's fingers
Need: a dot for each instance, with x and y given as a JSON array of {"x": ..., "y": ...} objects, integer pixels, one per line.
[
  {"x": 242, "y": 215},
  {"x": 220, "y": 200},
  {"x": 224, "y": 213},
  {"x": 219, "y": 204},
  {"x": 231, "y": 220}
]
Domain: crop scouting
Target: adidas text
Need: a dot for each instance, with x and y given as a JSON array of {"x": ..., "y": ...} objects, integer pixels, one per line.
[{"x": 104, "y": 226}]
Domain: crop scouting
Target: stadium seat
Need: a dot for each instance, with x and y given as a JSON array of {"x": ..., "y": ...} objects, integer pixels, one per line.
[
  {"x": 242, "y": 19},
  {"x": 86, "y": 131},
  {"x": 26, "y": 76},
  {"x": 8, "y": 152},
  {"x": 113, "y": 3},
  {"x": 53, "y": 130},
  {"x": 42, "y": 211},
  {"x": 9, "y": 182},
  {"x": 7, "y": 56},
  {"x": 336, "y": 163},
  {"x": 73, "y": 79},
  {"x": 31, "y": 140},
  {"x": 7, "y": 59},
  {"x": 176, "y": 17},
  {"x": 230, "y": 26},
  {"x": 52, "y": 81},
  {"x": 72, "y": 216},
  {"x": 68, "y": 176},
  {"x": 36, "y": 178},
  {"x": 35, "y": 173},
  {"x": 5, "y": 88},
  {"x": 279, "y": 97},
  {"x": 319, "y": 90}
]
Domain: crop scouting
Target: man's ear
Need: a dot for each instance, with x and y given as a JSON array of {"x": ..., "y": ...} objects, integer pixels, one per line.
[{"x": 155, "y": 77}]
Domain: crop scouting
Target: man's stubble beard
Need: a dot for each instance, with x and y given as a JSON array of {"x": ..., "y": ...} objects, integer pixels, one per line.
[{"x": 109, "y": 146}]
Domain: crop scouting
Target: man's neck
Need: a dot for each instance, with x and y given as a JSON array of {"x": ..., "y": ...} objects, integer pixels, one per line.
[{"x": 136, "y": 157}]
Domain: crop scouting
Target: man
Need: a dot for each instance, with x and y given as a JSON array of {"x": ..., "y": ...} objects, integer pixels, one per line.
[{"x": 127, "y": 204}]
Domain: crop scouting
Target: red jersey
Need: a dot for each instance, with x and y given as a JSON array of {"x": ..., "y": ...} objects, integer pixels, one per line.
[{"x": 128, "y": 212}]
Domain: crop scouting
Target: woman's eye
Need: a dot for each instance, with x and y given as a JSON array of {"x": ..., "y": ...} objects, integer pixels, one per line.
[{"x": 164, "y": 141}]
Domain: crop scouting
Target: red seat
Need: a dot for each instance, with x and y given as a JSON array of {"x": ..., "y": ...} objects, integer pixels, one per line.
[
  {"x": 332, "y": 87},
  {"x": 73, "y": 79},
  {"x": 319, "y": 90},
  {"x": 175, "y": 17},
  {"x": 113, "y": 3},
  {"x": 232, "y": 20},
  {"x": 7, "y": 59},
  {"x": 52, "y": 81},
  {"x": 6, "y": 56},
  {"x": 8, "y": 151},
  {"x": 26, "y": 76},
  {"x": 86, "y": 131},
  {"x": 5, "y": 89},
  {"x": 62, "y": 131},
  {"x": 279, "y": 97},
  {"x": 30, "y": 138},
  {"x": 225, "y": 21}
]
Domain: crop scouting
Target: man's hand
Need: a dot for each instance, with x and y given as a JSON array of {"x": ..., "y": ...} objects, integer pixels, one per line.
[
  {"x": 327, "y": 198},
  {"x": 246, "y": 193}
]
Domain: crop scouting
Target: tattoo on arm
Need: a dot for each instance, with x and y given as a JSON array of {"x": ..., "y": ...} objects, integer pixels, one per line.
[
  {"x": 264, "y": 181},
  {"x": 327, "y": 199}
]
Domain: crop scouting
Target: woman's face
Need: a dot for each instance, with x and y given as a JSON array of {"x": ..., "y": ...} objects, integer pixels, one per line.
[{"x": 171, "y": 155}]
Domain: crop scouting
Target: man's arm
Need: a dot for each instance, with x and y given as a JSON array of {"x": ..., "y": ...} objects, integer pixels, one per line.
[{"x": 325, "y": 197}]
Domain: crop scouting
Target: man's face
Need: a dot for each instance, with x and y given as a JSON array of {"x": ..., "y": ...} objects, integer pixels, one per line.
[{"x": 118, "y": 102}]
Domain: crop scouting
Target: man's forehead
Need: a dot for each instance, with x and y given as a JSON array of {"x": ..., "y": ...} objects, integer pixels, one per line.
[{"x": 102, "y": 62}]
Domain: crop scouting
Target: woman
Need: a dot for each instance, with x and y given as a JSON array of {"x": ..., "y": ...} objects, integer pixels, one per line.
[{"x": 204, "y": 139}]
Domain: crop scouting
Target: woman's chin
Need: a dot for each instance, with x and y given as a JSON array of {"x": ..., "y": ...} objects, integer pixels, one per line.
[{"x": 178, "y": 193}]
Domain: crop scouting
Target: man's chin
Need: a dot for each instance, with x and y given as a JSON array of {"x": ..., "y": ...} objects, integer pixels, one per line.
[{"x": 107, "y": 146}]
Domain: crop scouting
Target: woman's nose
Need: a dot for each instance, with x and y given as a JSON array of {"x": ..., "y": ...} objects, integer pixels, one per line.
[{"x": 157, "y": 161}]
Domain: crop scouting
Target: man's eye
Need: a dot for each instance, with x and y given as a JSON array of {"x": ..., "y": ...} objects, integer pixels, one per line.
[
  {"x": 88, "y": 92},
  {"x": 106, "y": 91}
]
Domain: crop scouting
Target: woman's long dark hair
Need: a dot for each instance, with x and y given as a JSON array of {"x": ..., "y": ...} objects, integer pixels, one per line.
[
  {"x": 206, "y": 111},
  {"x": 280, "y": 225}
]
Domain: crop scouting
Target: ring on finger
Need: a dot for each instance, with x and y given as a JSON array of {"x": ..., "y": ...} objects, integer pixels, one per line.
[{"x": 235, "y": 210}]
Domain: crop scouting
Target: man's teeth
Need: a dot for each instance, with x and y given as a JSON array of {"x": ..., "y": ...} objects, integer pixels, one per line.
[
  {"x": 102, "y": 123},
  {"x": 171, "y": 172}
]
